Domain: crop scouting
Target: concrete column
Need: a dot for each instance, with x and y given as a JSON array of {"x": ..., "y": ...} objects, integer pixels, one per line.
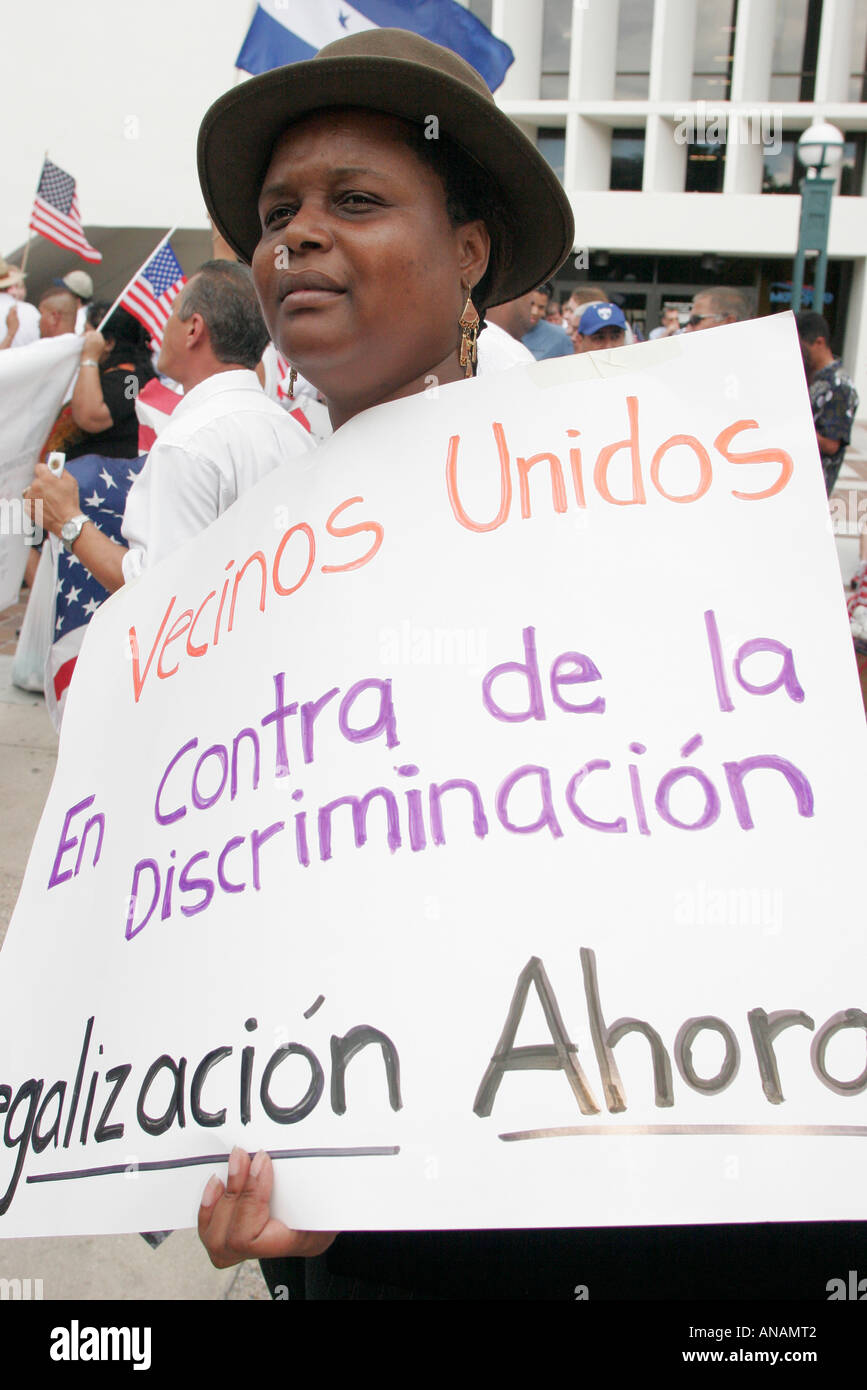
[
  {"x": 593, "y": 55},
  {"x": 671, "y": 49},
  {"x": 664, "y": 159},
  {"x": 835, "y": 50},
  {"x": 751, "y": 82},
  {"x": 519, "y": 24},
  {"x": 590, "y": 143},
  {"x": 744, "y": 167},
  {"x": 592, "y": 64},
  {"x": 754, "y": 51}
]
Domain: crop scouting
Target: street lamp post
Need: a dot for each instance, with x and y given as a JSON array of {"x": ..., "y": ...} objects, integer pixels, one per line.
[{"x": 819, "y": 148}]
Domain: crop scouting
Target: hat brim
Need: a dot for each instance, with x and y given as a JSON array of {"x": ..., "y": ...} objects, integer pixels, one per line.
[{"x": 240, "y": 130}]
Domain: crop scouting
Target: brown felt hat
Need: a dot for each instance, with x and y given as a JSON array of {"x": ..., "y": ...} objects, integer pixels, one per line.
[{"x": 400, "y": 74}]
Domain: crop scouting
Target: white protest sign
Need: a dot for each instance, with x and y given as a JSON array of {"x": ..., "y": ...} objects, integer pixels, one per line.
[
  {"x": 34, "y": 381},
  {"x": 467, "y": 828}
]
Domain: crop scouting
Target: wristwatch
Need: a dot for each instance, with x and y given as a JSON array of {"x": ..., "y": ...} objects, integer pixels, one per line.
[{"x": 71, "y": 530}]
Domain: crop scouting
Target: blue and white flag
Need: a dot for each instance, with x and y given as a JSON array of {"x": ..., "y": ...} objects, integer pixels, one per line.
[{"x": 288, "y": 31}]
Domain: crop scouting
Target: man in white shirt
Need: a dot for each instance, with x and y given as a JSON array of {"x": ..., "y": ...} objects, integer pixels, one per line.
[{"x": 223, "y": 437}]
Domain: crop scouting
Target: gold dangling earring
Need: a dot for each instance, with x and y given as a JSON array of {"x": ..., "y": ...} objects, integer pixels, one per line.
[
  {"x": 293, "y": 377},
  {"x": 469, "y": 322}
]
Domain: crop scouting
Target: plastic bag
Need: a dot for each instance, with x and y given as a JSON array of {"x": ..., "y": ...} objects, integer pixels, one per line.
[{"x": 37, "y": 630}]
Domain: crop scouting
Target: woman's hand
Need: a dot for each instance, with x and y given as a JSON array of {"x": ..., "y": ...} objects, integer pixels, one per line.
[
  {"x": 58, "y": 497},
  {"x": 235, "y": 1223}
]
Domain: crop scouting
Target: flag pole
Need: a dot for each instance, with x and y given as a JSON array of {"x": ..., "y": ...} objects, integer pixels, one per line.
[
  {"x": 29, "y": 233},
  {"x": 132, "y": 280}
]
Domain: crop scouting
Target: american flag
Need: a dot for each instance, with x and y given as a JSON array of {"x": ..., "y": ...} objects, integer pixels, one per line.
[
  {"x": 55, "y": 212},
  {"x": 154, "y": 405},
  {"x": 103, "y": 485},
  {"x": 149, "y": 297}
]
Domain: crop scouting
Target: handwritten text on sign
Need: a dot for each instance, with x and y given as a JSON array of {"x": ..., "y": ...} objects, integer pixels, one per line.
[{"x": 402, "y": 908}]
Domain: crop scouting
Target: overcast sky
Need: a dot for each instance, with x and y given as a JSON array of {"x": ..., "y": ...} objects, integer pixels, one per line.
[{"x": 115, "y": 93}]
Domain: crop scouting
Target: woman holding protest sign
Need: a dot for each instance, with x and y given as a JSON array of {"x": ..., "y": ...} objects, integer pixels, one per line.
[
  {"x": 384, "y": 203},
  {"x": 377, "y": 237}
]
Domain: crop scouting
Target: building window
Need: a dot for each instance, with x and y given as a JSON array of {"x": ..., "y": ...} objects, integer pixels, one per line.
[
  {"x": 796, "y": 48},
  {"x": 714, "y": 49},
  {"x": 852, "y": 164},
  {"x": 858, "y": 78},
  {"x": 627, "y": 159},
  {"x": 779, "y": 174},
  {"x": 551, "y": 141},
  {"x": 705, "y": 167},
  {"x": 634, "y": 27},
  {"x": 783, "y": 172},
  {"x": 556, "y": 41}
]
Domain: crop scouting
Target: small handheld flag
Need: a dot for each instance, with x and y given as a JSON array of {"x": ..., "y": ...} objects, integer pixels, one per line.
[
  {"x": 56, "y": 215},
  {"x": 149, "y": 297}
]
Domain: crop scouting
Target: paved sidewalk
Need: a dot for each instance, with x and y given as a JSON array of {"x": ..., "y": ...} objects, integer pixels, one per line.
[
  {"x": 10, "y": 625},
  {"x": 83, "y": 1267}
]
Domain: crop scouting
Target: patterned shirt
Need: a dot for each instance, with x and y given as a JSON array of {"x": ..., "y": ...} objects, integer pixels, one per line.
[{"x": 834, "y": 401}]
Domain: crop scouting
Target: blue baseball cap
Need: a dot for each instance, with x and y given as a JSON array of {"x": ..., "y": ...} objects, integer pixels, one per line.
[{"x": 598, "y": 316}]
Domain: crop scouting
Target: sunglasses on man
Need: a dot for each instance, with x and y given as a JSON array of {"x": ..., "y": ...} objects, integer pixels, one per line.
[{"x": 695, "y": 319}]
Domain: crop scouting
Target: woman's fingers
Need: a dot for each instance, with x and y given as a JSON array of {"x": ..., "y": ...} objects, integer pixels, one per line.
[
  {"x": 235, "y": 1222},
  {"x": 226, "y": 1222}
]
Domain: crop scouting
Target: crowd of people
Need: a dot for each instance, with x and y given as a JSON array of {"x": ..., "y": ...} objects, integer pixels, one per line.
[
  {"x": 587, "y": 321},
  {"x": 222, "y": 437},
  {"x": 469, "y": 232},
  {"x": 220, "y": 434}
]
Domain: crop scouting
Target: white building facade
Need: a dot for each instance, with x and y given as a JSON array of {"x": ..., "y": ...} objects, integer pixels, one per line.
[
  {"x": 673, "y": 126},
  {"x": 672, "y": 123}
]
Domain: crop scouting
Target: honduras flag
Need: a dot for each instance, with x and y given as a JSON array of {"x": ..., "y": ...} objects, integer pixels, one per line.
[{"x": 288, "y": 31}]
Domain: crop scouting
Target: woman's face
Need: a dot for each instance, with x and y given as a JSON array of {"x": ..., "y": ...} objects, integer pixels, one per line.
[{"x": 359, "y": 269}]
